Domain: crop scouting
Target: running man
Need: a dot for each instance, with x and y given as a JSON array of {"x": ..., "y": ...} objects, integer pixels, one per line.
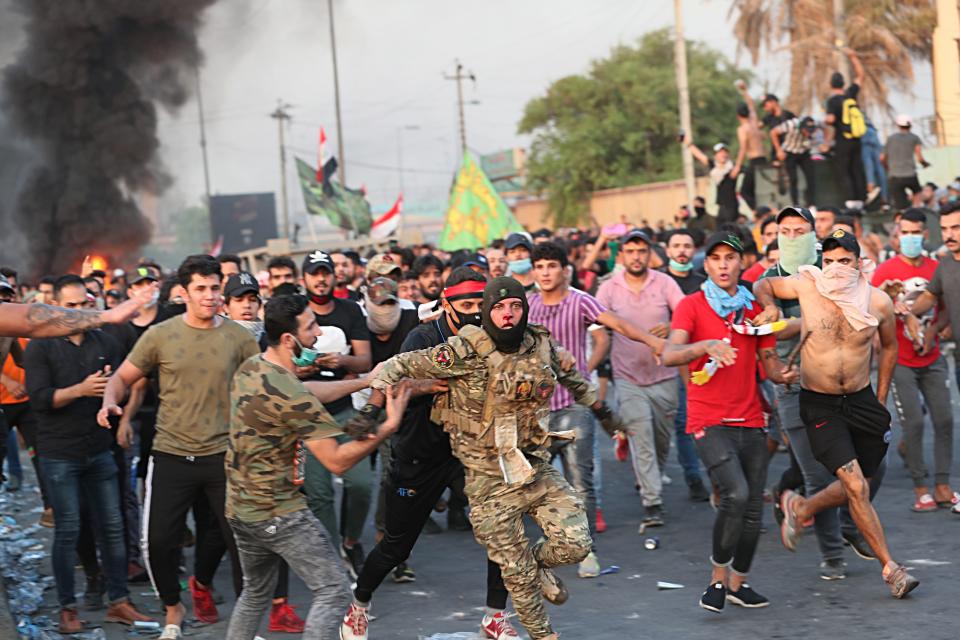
[{"x": 847, "y": 424}]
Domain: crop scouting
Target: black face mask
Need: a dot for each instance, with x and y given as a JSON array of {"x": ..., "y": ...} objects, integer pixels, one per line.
[
  {"x": 459, "y": 320},
  {"x": 507, "y": 340}
]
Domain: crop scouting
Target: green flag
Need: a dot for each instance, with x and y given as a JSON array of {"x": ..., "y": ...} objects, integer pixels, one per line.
[
  {"x": 476, "y": 214},
  {"x": 346, "y": 208}
]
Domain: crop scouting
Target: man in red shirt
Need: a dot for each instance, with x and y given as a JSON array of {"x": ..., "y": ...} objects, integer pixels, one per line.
[
  {"x": 920, "y": 370},
  {"x": 711, "y": 332}
]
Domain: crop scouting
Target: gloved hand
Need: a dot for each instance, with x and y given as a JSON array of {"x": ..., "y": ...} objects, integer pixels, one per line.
[
  {"x": 364, "y": 423},
  {"x": 611, "y": 422}
]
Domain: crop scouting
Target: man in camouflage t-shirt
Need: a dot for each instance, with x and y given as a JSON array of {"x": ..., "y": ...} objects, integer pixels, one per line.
[{"x": 275, "y": 422}]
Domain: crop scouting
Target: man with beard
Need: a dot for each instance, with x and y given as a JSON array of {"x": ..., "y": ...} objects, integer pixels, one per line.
[
  {"x": 281, "y": 270},
  {"x": 847, "y": 424},
  {"x": 501, "y": 377},
  {"x": 342, "y": 319},
  {"x": 423, "y": 468},
  {"x": 680, "y": 249},
  {"x": 343, "y": 274},
  {"x": 647, "y": 390},
  {"x": 428, "y": 270}
]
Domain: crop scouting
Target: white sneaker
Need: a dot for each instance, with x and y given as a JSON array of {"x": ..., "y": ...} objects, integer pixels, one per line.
[
  {"x": 665, "y": 479},
  {"x": 956, "y": 508},
  {"x": 498, "y": 627},
  {"x": 354, "y": 626},
  {"x": 171, "y": 632},
  {"x": 589, "y": 566}
]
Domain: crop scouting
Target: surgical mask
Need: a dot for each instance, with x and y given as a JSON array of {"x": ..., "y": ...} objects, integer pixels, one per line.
[
  {"x": 520, "y": 267},
  {"x": 911, "y": 246},
  {"x": 679, "y": 266},
  {"x": 306, "y": 357},
  {"x": 153, "y": 299},
  {"x": 796, "y": 252}
]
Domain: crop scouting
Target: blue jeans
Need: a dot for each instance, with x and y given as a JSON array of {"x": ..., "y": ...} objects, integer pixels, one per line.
[
  {"x": 686, "y": 450},
  {"x": 577, "y": 456},
  {"x": 870, "y": 149},
  {"x": 96, "y": 477},
  {"x": 13, "y": 455}
]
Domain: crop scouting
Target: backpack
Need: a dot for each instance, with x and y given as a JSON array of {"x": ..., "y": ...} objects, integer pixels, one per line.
[{"x": 853, "y": 119}]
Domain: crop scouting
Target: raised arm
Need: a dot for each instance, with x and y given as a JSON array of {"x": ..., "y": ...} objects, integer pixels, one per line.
[
  {"x": 46, "y": 321},
  {"x": 696, "y": 152},
  {"x": 858, "y": 74},
  {"x": 751, "y": 107}
]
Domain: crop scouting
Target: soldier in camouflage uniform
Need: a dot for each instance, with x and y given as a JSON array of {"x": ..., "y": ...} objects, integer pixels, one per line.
[
  {"x": 275, "y": 423},
  {"x": 501, "y": 377}
]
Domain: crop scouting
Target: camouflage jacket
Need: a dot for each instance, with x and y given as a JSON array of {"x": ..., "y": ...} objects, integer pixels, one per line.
[
  {"x": 271, "y": 414},
  {"x": 497, "y": 410}
]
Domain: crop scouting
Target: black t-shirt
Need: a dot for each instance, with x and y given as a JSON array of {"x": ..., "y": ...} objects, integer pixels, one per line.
[
  {"x": 835, "y": 108},
  {"x": 346, "y": 315},
  {"x": 690, "y": 284},
  {"x": 381, "y": 351},
  {"x": 726, "y": 193},
  {"x": 419, "y": 441},
  {"x": 770, "y": 120}
]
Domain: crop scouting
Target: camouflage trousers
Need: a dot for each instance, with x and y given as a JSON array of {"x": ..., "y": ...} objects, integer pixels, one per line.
[{"x": 496, "y": 512}]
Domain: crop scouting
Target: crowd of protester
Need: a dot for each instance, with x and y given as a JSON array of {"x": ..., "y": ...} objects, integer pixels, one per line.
[{"x": 118, "y": 498}]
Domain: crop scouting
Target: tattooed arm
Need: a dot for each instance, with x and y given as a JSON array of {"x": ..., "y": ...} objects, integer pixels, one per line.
[
  {"x": 775, "y": 368},
  {"x": 45, "y": 321}
]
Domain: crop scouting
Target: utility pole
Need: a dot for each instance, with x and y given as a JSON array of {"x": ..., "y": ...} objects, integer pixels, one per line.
[
  {"x": 203, "y": 138},
  {"x": 281, "y": 115},
  {"x": 460, "y": 76},
  {"x": 680, "y": 63},
  {"x": 341, "y": 159},
  {"x": 400, "y": 130},
  {"x": 840, "y": 40}
]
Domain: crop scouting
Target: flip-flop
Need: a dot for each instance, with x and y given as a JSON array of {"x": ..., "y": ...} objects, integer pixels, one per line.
[
  {"x": 946, "y": 504},
  {"x": 924, "y": 503}
]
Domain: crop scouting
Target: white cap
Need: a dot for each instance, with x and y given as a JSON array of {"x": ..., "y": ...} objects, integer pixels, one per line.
[{"x": 903, "y": 120}]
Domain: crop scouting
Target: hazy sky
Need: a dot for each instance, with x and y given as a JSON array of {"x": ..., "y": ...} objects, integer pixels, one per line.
[{"x": 392, "y": 57}]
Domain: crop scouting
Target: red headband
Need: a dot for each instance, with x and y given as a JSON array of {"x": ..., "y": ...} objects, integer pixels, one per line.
[{"x": 464, "y": 288}]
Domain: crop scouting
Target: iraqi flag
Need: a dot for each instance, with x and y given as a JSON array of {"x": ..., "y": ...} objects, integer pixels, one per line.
[
  {"x": 387, "y": 224},
  {"x": 320, "y": 154}
]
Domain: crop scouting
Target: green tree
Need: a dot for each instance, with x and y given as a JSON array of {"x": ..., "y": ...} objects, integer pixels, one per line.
[{"x": 617, "y": 125}]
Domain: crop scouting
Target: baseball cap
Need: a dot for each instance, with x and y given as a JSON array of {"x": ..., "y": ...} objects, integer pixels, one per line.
[
  {"x": 239, "y": 284},
  {"x": 468, "y": 259},
  {"x": 769, "y": 97},
  {"x": 803, "y": 212},
  {"x": 542, "y": 233},
  {"x": 518, "y": 240},
  {"x": 842, "y": 239},
  {"x": 635, "y": 234},
  {"x": 720, "y": 146},
  {"x": 317, "y": 260},
  {"x": 381, "y": 264},
  {"x": 5, "y": 284},
  {"x": 903, "y": 120},
  {"x": 143, "y": 273},
  {"x": 723, "y": 237},
  {"x": 382, "y": 290}
]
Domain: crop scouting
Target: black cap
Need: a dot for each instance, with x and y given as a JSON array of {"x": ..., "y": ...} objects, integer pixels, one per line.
[
  {"x": 468, "y": 259},
  {"x": 803, "y": 212},
  {"x": 843, "y": 240},
  {"x": 723, "y": 237},
  {"x": 769, "y": 97},
  {"x": 5, "y": 284},
  {"x": 518, "y": 240},
  {"x": 635, "y": 234},
  {"x": 316, "y": 260},
  {"x": 239, "y": 284},
  {"x": 542, "y": 233},
  {"x": 142, "y": 273}
]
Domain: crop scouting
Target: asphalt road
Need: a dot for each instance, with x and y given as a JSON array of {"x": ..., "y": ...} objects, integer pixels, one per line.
[{"x": 448, "y": 594}]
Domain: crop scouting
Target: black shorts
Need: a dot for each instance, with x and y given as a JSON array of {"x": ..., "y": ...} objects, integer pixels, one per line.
[{"x": 843, "y": 428}]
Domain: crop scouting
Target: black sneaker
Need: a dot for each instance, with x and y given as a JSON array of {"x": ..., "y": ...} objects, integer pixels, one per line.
[
  {"x": 747, "y": 597},
  {"x": 403, "y": 573},
  {"x": 714, "y": 597},
  {"x": 653, "y": 516},
  {"x": 697, "y": 492},
  {"x": 833, "y": 569},
  {"x": 860, "y": 547},
  {"x": 353, "y": 558},
  {"x": 457, "y": 520}
]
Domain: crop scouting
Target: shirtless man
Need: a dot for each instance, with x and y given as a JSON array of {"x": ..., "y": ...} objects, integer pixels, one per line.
[
  {"x": 848, "y": 426},
  {"x": 751, "y": 147}
]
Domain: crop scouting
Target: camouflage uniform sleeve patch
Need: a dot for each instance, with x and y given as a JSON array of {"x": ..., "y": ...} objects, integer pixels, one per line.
[{"x": 443, "y": 356}]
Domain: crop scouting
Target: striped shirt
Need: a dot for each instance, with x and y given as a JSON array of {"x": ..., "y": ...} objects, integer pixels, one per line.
[
  {"x": 568, "y": 322},
  {"x": 792, "y": 139}
]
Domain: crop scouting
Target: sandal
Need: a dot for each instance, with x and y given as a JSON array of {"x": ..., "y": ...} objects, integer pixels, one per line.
[
  {"x": 953, "y": 501},
  {"x": 924, "y": 504}
]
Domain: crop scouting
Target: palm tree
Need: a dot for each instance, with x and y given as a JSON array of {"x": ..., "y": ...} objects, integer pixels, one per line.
[{"x": 887, "y": 35}]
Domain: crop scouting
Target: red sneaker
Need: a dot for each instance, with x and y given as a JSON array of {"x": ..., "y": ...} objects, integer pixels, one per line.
[
  {"x": 601, "y": 523},
  {"x": 498, "y": 627},
  {"x": 622, "y": 447},
  {"x": 284, "y": 619},
  {"x": 204, "y": 608}
]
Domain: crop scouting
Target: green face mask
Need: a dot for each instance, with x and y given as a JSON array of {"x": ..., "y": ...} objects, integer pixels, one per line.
[
  {"x": 679, "y": 267},
  {"x": 795, "y": 252}
]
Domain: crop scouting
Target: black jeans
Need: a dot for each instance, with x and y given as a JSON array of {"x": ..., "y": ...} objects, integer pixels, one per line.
[
  {"x": 849, "y": 166},
  {"x": 803, "y": 161},
  {"x": 173, "y": 485},
  {"x": 410, "y": 493},
  {"x": 736, "y": 459},
  {"x": 748, "y": 188}
]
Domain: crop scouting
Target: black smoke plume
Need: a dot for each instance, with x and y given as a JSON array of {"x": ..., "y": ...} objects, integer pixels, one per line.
[{"x": 84, "y": 90}]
